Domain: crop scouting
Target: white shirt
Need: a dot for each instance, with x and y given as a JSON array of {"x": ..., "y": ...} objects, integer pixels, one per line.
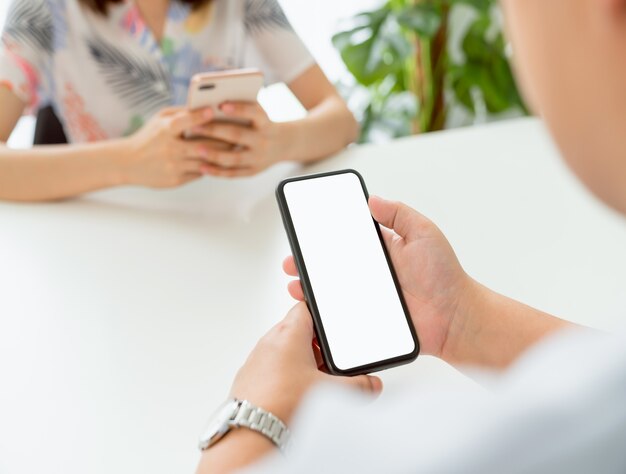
[
  {"x": 560, "y": 409},
  {"x": 107, "y": 75}
]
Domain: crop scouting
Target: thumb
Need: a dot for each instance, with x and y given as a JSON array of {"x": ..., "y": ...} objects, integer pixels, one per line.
[
  {"x": 404, "y": 220},
  {"x": 369, "y": 384}
]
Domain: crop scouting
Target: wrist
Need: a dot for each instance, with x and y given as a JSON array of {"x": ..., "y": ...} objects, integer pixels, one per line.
[
  {"x": 491, "y": 330},
  {"x": 239, "y": 448},
  {"x": 124, "y": 150},
  {"x": 465, "y": 321},
  {"x": 279, "y": 405},
  {"x": 290, "y": 141},
  {"x": 240, "y": 433},
  {"x": 108, "y": 158}
]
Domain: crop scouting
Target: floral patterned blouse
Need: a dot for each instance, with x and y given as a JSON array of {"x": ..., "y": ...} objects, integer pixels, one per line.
[{"x": 106, "y": 75}]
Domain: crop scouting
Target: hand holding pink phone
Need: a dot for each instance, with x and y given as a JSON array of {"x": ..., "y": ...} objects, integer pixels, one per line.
[{"x": 214, "y": 88}]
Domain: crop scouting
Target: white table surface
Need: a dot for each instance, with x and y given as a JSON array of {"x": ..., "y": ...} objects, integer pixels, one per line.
[{"x": 125, "y": 314}]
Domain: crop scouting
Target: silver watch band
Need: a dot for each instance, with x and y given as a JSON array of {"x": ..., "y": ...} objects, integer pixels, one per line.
[{"x": 256, "y": 419}]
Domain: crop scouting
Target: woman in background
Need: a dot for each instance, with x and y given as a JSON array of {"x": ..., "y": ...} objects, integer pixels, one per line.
[{"x": 117, "y": 72}]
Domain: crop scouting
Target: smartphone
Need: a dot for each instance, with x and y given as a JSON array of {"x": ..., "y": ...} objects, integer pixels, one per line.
[
  {"x": 360, "y": 317},
  {"x": 213, "y": 88}
]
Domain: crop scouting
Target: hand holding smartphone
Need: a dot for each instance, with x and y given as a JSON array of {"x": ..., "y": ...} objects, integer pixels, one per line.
[
  {"x": 360, "y": 317},
  {"x": 214, "y": 88}
]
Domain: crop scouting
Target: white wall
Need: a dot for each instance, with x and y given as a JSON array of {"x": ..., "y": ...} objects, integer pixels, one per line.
[
  {"x": 4, "y": 6},
  {"x": 315, "y": 22}
]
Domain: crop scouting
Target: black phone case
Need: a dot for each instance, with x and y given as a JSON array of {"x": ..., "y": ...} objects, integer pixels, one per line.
[{"x": 310, "y": 297}]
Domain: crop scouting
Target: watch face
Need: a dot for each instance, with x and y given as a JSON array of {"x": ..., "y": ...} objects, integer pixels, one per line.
[{"x": 219, "y": 424}]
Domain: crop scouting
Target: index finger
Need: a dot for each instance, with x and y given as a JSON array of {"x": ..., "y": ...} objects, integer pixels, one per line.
[
  {"x": 167, "y": 111},
  {"x": 251, "y": 111},
  {"x": 186, "y": 119}
]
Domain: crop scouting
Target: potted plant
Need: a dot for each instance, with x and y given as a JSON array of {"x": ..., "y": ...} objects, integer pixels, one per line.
[{"x": 415, "y": 62}]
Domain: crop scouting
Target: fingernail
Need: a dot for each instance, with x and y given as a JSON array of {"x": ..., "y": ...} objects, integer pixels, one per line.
[
  {"x": 379, "y": 199},
  {"x": 227, "y": 108}
]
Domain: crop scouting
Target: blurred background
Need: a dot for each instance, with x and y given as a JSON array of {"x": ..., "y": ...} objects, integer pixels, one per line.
[{"x": 405, "y": 66}]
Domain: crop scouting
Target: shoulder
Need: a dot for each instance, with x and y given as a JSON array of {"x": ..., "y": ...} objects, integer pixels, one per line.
[
  {"x": 30, "y": 23},
  {"x": 256, "y": 15},
  {"x": 262, "y": 15}
]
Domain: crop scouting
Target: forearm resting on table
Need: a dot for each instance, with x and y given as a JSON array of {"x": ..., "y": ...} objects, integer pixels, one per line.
[
  {"x": 328, "y": 128},
  {"x": 495, "y": 330},
  {"x": 47, "y": 173}
]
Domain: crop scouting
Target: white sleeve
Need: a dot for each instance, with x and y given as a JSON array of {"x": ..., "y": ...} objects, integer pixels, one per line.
[
  {"x": 271, "y": 43},
  {"x": 560, "y": 409},
  {"x": 27, "y": 42}
]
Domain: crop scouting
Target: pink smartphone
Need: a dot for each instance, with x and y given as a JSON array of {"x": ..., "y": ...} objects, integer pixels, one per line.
[{"x": 213, "y": 88}]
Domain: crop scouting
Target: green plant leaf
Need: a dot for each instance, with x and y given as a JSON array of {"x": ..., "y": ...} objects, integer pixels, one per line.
[
  {"x": 375, "y": 48},
  {"x": 462, "y": 89},
  {"x": 480, "y": 5},
  {"x": 422, "y": 18},
  {"x": 379, "y": 49},
  {"x": 474, "y": 44}
]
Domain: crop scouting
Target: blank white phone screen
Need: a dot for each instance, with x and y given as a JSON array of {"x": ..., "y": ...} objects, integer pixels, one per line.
[{"x": 352, "y": 284}]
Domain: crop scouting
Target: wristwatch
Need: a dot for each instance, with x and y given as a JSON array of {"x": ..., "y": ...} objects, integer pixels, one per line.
[{"x": 241, "y": 413}]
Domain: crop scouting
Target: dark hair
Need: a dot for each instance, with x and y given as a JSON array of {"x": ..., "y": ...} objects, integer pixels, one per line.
[{"x": 101, "y": 6}]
